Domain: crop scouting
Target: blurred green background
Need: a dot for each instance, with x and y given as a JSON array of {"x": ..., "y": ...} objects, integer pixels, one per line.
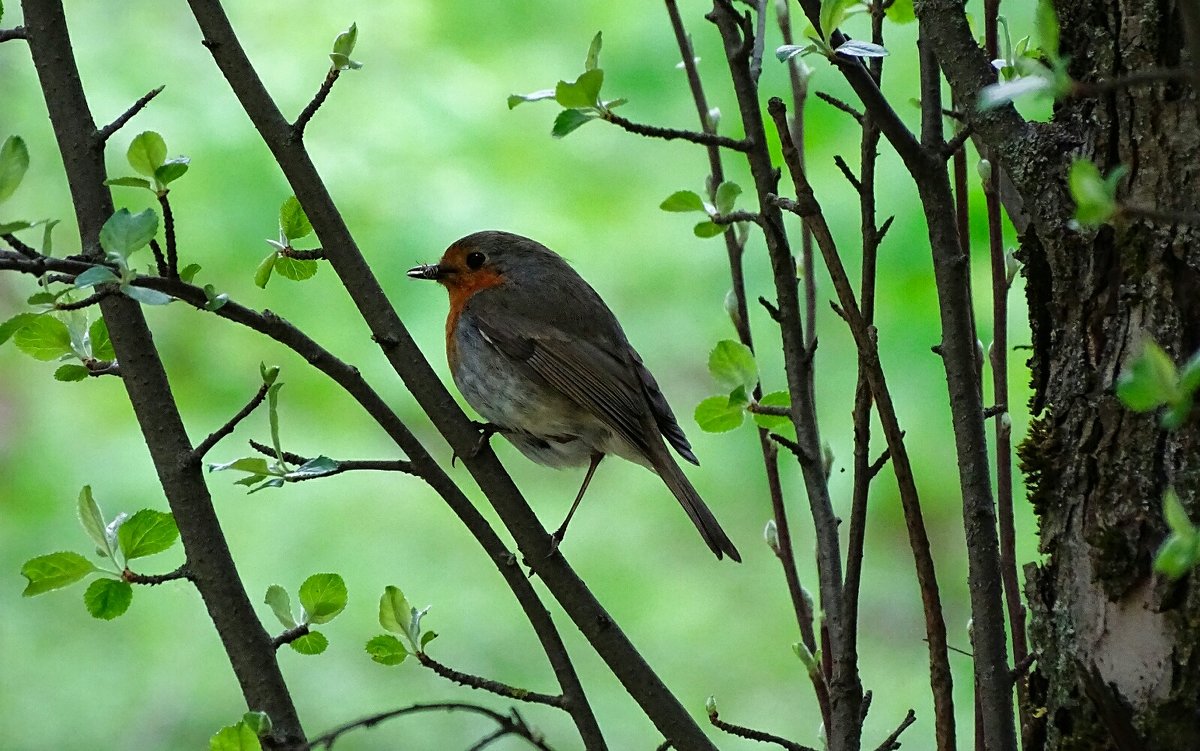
[{"x": 418, "y": 149}]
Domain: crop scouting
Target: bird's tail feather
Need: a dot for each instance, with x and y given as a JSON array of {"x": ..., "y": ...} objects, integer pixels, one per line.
[{"x": 695, "y": 507}]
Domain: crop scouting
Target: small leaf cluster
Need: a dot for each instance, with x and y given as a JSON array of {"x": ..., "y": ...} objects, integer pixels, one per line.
[
  {"x": 685, "y": 201},
  {"x": 833, "y": 14},
  {"x": 1095, "y": 195},
  {"x": 243, "y": 735},
  {"x": 579, "y": 98},
  {"x": 1027, "y": 72},
  {"x": 263, "y": 473},
  {"x": 147, "y": 154},
  {"x": 122, "y": 235},
  {"x": 322, "y": 598},
  {"x": 14, "y": 163},
  {"x": 397, "y": 616},
  {"x": 67, "y": 335},
  {"x": 293, "y": 225},
  {"x": 343, "y": 46},
  {"x": 118, "y": 541},
  {"x": 1180, "y": 552},
  {"x": 1153, "y": 382},
  {"x": 733, "y": 367}
]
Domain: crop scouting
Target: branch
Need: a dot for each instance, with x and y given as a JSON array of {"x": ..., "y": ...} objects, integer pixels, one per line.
[
  {"x": 16, "y": 244},
  {"x": 653, "y": 131},
  {"x": 513, "y": 724},
  {"x": 840, "y": 105},
  {"x": 316, "y": 254},
  {"x": 891, "y": 743},
  {"x": 1137, "y": 78},
  {"x": 92, "y": 299},
  {"x": 597, "y": 626},
  {"x": 318, "y": 99},
  {"x": 214, "y": 437},
  {"x": 213, "y": 571},
  {"x": 1155, "y": 214},
  {"x": 289, "y": 636},
  {"x": 104, "y": 133},
  {"x": 755, "y": 735},
  {"x": 169, "y": 234},
  {"x": 17, "y": 32},
  {"x": 495, "y": 687},
  {"x": 183, "y": 572},
  {"x": 343, "y": 465}
]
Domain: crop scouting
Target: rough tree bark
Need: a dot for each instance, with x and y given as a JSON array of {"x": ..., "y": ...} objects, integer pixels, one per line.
[{"x": 1119, "y": 648}]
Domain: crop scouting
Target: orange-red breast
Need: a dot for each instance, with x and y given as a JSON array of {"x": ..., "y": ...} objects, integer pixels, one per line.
[{"x": 535, "y": 350}]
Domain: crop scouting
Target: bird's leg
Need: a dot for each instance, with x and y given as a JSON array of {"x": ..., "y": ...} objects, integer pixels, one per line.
[
  {"x": 557, "y": 537},
  {"x": 486, "y": 431}
]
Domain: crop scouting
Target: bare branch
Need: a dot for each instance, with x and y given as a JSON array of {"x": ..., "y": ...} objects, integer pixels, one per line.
[
  {"x": 513, "y": 723},
  {"x": 104, "y": 133},
  {"x": 206, "y": 445},
  {"x": 317, "y": 100},
  {"x": 653, "y": 131},
  {"x": 486, "y": 684}
]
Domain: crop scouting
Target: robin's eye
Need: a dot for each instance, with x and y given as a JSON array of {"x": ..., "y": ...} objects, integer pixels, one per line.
[{"x": 475, "y": 260}]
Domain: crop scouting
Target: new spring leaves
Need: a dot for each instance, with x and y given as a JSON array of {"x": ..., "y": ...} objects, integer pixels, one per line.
[
  {"x": 732, "y": 366},
  {"x": 322, "y": 598},
  {"x": 833, "y": 14},
  {"x": 580, "y": 98},
  {"x": 118, "y": 541}
]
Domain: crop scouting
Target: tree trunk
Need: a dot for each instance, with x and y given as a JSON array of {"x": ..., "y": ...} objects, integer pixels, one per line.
[{"x": 1118, "y": 647}]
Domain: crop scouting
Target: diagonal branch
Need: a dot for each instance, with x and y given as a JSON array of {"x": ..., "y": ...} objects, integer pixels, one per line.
[{"x": 106, "y": 132}]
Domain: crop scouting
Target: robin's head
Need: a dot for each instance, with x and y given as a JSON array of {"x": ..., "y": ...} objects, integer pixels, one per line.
[{"x": 489, "y": 259}]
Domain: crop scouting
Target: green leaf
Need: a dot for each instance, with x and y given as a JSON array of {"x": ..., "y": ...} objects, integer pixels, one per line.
[
  {"x": 44, "y": 338},
  {"x": 256, "y": 465},
  {"x": 583, "y": 93},
  {"x": 147, "y": 532},
  {"x": 322, "y": 596},
  {"x": 215, "y": 302},
  {"x": 70, "y": 372},
  {"x": 394, "y": 611},
  {"x": 1175, "y": 514},
  {"x": 239, "y": 737},
  {"x": 91, "y": 518},
  {"x": 14, "y": 161},
  {"x": 537, "y": 96},
  {"x": 281, "y": 605},
  {"x": 7, "y": 228},
  {"x": 146, "y": 152},
  {"x": 569, "y": 120},
  {"x": 684, "y": 200},
  {"x": 269, "y": 374},
  {"x": 312, "y": 643},
  {"x": 259, "y": 722},
  {"x": 732, "y": 365},
  {"x": 1095, "y": 199},
  {"x": 294, "y": 268},
  {"x": 43, "y": 298},
  {"x": 102, "y": 348},
  {"x": 772, "y": 422},
  {"x": 1174, "y": 417},
  {"x": 387, "y": 650},
  {"x": 1178, "y": 555},
  {"x": 1046, "y": 23},
  {"x": 727, "y": 194},
  {"x": 125, "y": 233},
  {"x": 708, "y": 229},
  {"x": 128, "y": 182},
  {"x": 859, "y": 48},
  {"x": 341, "y": 62},
  {"x": 344, "y": 43},
  {"x": 171, "y": 170},
  {"x": 1150, "y": 381},
  {"x": 262, "y": 274},
  {"x": 54, "y": 571},
  {"x": 832, "y": 14},
  {"x": 145, "y": 295},
  {"x": 188, "y": 273},
  {"x": 716, "y": 415},
  {"x": 901, "y": 11},
  {"x": 321, "y": 465},
  {"x": 108, "y": 598},
  {"x": 293, "y": 222},
  {"x": 427, "y": 637},
  {"x": 593, "y": 54},
  {"x": 15, "y": 324},
  {"x": 96, "y": 275}
]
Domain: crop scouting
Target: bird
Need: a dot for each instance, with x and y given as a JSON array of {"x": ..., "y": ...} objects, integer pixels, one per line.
[{"x": 534, "y": 349}]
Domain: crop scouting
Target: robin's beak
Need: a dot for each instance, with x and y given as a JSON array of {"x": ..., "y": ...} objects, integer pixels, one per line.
[{"x": 426, "y": 271}]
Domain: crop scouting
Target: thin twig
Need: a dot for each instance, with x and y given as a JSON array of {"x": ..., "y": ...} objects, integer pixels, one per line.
[
  {"x": 17, "y": 32},
  {"x": 891, "y": 743},
  {"x": 486, "y": 684},
  {"x": 88, "y": 301},
  {"x": 290, "y": 635},
  {"x": 316, "y": 254},
  {"x": 169, "y": 234},
  {"x": 760, "y": 36},
  {"x": 104, "y": 133},
  {"x": 755, "y": 735},
  {"x": 1137, "y": 78},
  {"x": 653, "y": 131},
  {"x": 840, "y": 105},
  {"x": 768, "y": 409},
  {"x": 343, "y": 465},
  {"x": 183, "y": 572},
  {"x": 160, "y": 260},
  {"x": 20, "y": 246},
  {"x": 736, "y": 216},
  {"x": 848, "y": 173},
  {"x": 318, "y": 99},
  {"x": 955, "y": 144},
  {"x": 514, "y": 721},
  {"x": 206, "y": 445}
]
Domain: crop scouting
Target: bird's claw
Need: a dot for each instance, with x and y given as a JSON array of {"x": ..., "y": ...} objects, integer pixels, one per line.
[{"x": 486, "y": 431}]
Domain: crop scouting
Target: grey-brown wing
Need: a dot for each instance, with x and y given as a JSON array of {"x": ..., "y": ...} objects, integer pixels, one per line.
[{"x": 662, "y": 411}]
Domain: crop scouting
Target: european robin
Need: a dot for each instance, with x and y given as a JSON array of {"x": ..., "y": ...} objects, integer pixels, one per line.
[{"x": 534, "y": 349}]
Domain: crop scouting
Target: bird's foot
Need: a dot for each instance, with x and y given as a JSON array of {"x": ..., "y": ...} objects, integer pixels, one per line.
[{"x": 486, "y": 431}]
